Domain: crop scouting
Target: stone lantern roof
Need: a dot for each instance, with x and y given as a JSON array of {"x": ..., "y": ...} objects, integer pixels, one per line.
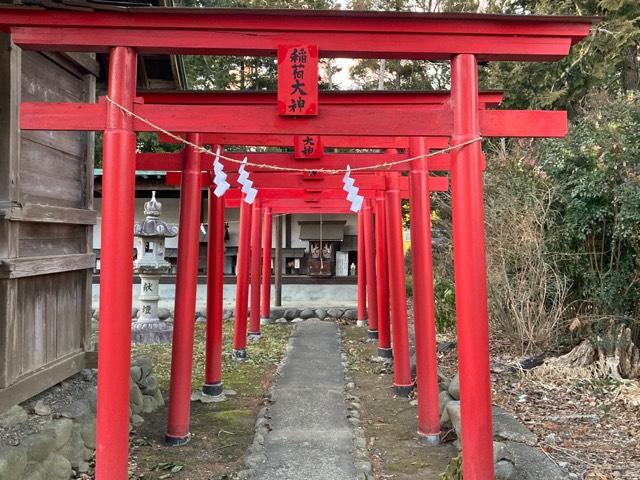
[{"x": 152, "y": 226}]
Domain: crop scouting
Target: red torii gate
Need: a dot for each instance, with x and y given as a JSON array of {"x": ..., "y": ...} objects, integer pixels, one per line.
[
  {"x": 315, "y": 200},
  {"x": 428, "y": 417},
  {"x": 463, "y": 39}
]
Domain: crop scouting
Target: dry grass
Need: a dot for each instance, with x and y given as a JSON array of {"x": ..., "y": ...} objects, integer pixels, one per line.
[{"x": 527, "y": 293}]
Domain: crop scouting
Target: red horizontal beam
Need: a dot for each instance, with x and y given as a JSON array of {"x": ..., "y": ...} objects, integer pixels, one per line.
[
  {"x": 287, "y": 206},
  {"x": 292, "y": 180},
  {"x": 486, "y": 99},
  {"x": 397, "y": 98},
  {"x": 398, "y": 44},
  {"x": 342, "y": 34},
  {"x": 282, "y": 183},
  {"x": 301, "y": 196},
  {"x": 330, "y": 21},
  {"x": 332, "y": 120},
  {"x": 277, "y": 140},
  {"x": 331, "y": 161}
]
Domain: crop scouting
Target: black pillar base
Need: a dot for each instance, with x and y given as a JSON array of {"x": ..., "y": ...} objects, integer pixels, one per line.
[
  {"x": 372, "y": 334},
  {"x": 403, "y": 390},
  {"x": 177, "y": 441},
  {"x": 213, "y": 389},
  {"x": 239, "y": 355},
  {"x": 385, "y": 353}
]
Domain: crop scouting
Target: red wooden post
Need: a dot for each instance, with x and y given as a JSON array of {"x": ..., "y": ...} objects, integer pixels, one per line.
[
  {"x": 213, "y": 384},
  {"x": 185, "y": 307},
  {"x": 265, "y": 311},
  {"x": 470, "y": 273},
  {"x": 362, "y": 273},
  {"x": 370, "y": 260},
  {"x": 118, "y": 204},
  {"x": 242, "y": 283},
  {"x": 382, "y": 268},
  {"x": 402, "y": 381},
  {"x": 423, "y": 298},
  {"x": 256, "y": 268}
]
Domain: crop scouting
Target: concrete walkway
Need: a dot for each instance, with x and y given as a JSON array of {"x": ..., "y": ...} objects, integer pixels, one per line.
[{"x": 311, "y": 438}]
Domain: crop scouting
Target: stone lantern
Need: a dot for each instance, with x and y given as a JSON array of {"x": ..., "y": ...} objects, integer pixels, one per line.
[{"x": 151, "y": 265}]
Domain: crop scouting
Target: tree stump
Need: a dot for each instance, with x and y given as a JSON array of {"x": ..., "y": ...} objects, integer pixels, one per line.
[{"x": 614, "y": 352}]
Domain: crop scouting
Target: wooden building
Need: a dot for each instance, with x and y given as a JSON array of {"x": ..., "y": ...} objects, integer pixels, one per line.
[
  {"x": 46, "y": 221},
  {"x": 47, "y": 213}
]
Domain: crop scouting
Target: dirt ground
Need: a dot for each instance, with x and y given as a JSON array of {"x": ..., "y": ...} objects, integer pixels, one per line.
[
  {"x": 221, "y": 432},
  {"x": 588, "y": 425},
  {"x": 390, "y": 421}
]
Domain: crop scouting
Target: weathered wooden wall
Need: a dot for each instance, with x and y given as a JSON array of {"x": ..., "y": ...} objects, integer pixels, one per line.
[{"x": 46, "y": 221}]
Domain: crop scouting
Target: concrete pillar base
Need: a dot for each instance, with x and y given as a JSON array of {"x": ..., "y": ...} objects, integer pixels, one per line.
[{"x": 431, "y": 440}]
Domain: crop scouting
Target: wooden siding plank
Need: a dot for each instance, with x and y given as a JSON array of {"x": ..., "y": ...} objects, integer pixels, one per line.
[
  {"x": 32, "y": 212},
  {"x": 49, "y": 287},
  {"x": 84, "y": 61},
  {"x": 66, "y": 142},
  {"x": 52, "y": 162},
  {"x": 32, "y": 266},
  {"x": 10, "y": 65},
  {"x": 45, "y": 81},
  {"x": 42, "y": 239},
  {"x": 63, "y": 192},
  {"x": 8, "y": 306},
  {"x": 39, "y": 381}
]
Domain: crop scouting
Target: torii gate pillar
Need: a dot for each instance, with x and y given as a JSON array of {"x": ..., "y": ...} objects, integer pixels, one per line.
[
  {"x": 402, "y": 381},
  {"x": 382, "y": 268},
  {"x": 118, "y": 206},
  {"x": 186, "y": 291},
  {"x": 265, "y": 309},
  {"x": 213, "y": 384},
  {"x": 370, "y": 262},
  {"x": 242, "y": 283},
  {"x": 423, "y": 299},
  {"x": 362, "y": 273},
  {"x": 256, "y": 268},
  {"x": 470, "y": 273}
]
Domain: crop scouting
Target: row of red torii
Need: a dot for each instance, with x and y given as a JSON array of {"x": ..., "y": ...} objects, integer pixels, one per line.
[{"x": 403, "y": 125}]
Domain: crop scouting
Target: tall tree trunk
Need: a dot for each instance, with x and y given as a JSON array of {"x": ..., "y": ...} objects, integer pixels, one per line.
[
  {"x": 381, "y": 70},
  {"x": 631, "y": 69},
  {"x": 242, "y": 74}
]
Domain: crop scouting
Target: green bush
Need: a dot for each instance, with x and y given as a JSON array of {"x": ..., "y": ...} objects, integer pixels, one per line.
[
  {"x": 445, "y": 299},
  {"x": 409, "y": 285},
  {"x": 444, "y": 296},
  {"x": 597, "y": 227}
]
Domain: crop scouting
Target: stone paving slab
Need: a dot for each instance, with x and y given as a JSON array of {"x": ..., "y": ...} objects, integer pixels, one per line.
[{"x": 311, "y": 438}]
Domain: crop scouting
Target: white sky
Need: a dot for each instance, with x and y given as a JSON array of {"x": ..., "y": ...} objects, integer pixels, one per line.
[{"x": 341, "y": 79}]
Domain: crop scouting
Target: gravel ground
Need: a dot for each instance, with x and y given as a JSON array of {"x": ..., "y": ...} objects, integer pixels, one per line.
[{"x": 58, "y": 398}]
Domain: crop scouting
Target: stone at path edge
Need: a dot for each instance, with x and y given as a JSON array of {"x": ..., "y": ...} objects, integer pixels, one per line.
[
  {"x": 13, "y": 417},
  {"x": 13, "y": 461},
  {"x": 307, "y": 313},
  {"x": 454, "y": 387}
]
